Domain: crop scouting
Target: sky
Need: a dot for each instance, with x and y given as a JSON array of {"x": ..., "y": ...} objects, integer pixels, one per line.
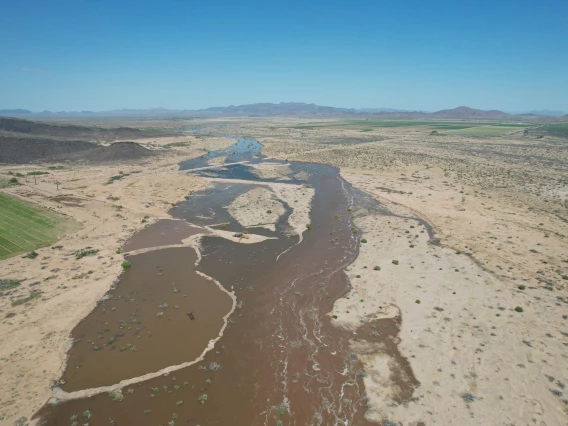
[{"x": 419, "y": 55}]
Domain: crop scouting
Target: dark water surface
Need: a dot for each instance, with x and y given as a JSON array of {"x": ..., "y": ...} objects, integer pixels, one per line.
[
  {"x": 164, "y": 232},
  {"x": 143, "y": 325},
  {"x": 280, "y": 360}
]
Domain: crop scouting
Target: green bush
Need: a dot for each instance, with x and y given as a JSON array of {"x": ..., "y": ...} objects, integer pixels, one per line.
[
  {"x": 395, "y": 262},
  {"x": 519, "y": 309},
  {"x": 363, "y": 240},
  {"x": 88, "y": 251},
  {"x": 126, "y": 264},
  {"x": 377, "y": 268}
]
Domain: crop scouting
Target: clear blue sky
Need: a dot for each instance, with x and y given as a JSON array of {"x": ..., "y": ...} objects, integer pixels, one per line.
[{"x": 428, "y": 55}]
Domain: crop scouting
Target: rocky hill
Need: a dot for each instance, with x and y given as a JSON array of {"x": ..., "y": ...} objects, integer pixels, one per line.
[
  {"x": 70, "y": 131},
  {"x": 22, "y": 150},
  {"x": 26, "y": 141}
]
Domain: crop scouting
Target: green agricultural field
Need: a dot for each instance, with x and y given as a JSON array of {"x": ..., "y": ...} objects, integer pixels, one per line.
[
  {"x": 452, "y": 126},
  {"x": 487, "y": 130},
  {"x": 560, "y": 130},
  {"x": 25, "y": 227},
  {"x": 367, "y": 125}
]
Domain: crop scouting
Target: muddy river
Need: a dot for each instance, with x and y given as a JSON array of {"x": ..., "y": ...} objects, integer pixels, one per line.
[{"x": 278, "y": 359}]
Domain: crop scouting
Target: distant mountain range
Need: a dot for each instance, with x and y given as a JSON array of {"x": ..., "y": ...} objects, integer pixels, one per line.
[{"x": 282, "y": 109}]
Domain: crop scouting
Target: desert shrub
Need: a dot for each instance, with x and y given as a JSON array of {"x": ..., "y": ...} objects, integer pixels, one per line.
[
  {"x": 87, "y": 251},
  {"x": 395, "y": 262},
  {"x": 32, "y": 296},
  {"x": 116, "y": 396},
  {"x": 214, "y": 366},
  {"x": 126, "y": 265},
  {"x": 280, "y": 409},
  {"x": 8, "y": 284},
  {"x": 363, "y": 240},
  {"x": 519, "y": 309},
  {"x": 377, "y": 268},
  {"x": 417, "y": 301},
  {"x": 522, "y": 287}
]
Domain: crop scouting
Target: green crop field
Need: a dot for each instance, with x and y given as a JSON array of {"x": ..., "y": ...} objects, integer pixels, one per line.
[
  {"x": 560, "y": 130},
  {"x": 25, "y": 227},
  {"x": 367, "y": 125},
  {"x": 490, "y": 130},
  {"x": 486, "y": 128}
]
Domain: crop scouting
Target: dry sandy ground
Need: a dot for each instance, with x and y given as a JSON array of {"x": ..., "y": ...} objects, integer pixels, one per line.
[
  {"x": 471, "y": 344},
  {"x": 257, "y": 207},
  {"x": 298, "y": 197}
]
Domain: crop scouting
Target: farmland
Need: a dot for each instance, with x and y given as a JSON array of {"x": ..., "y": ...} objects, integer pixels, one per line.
[
  {"x": 559, "y": 129},
  {"x": 488, "y": 130},
  {"x": 465, "y": 127},
  {"x": 25, "y": 227}
]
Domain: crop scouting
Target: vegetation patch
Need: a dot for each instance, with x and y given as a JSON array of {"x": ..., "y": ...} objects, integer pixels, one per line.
[
  {"x": 88, "y": 251},
  {"x": 559, "y": 130},
  {"x": 121, "y": 175},
  {"x": 116, "y": 396},
  {"x": 32, "y": 296},
  {"x": 25, "y": 227},
  {"x": 176, "y": 144},
  {"x": 8, "y": 284}
]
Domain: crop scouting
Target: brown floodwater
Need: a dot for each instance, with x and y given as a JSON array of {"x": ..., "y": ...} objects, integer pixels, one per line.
[
  {"x": 143, "y": 326},
  {"x": 164, "y": 232},
  {"x": 382, "y": 336},
  {"x": 280, "y": 360}
]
